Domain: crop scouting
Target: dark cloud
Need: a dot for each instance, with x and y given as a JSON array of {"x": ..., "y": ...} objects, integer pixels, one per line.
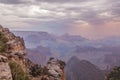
[
  {"x": 92, "y": 17},
  {"x": 61, "y": 1},
  {"x": 40, "y": 1},
  {"x": 76, "y": 9},
  {"x": 115, "y": 8},
  {"x": 68, "y": 10},
  {"x": 11, "y": 1},
  {"x": 112, "y": 7}
]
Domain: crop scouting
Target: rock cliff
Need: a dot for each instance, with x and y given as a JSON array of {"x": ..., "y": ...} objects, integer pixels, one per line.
[
  {"x": 5, "y": 72},
  {"x": 14, "y": 65},
  {"x": 56, "y": 69}
]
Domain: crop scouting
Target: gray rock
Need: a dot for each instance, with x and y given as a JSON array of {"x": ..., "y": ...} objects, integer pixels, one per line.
[
  {"x": 3, "y": 58},
  {"x": 54, "y": 68},
  {"x": 5, "y": 72}
]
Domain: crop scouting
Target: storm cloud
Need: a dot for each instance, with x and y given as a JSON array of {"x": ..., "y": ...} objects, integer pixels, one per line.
[{"x": 11, "y": 1}]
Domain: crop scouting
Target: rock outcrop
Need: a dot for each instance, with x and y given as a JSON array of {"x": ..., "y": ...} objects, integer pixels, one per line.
[
  {"x": 14, "y": 52},
  {"x": 14, "y": 65},
  {"x": 56, "y": 69},
  {"x": 5, "y": 72},
  {"x": 53, "y": 71},
  {"x": 16, "y": 43}
]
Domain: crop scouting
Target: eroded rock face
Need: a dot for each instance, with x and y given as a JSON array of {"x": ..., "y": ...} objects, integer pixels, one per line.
[
  {"x": 56, "y": 69},
  {"x": 5, "y": 72},
  {"x": 16, "y": 53},
  {"x": 16, "y": 44},
  {"x": 3, "y": 59}
]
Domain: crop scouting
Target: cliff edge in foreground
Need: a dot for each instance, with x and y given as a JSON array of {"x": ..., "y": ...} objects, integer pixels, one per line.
[{"x": 14, "y": 65}]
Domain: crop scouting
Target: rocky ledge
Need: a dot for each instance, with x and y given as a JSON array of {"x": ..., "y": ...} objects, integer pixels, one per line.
[{"x": 14, "y": 65}]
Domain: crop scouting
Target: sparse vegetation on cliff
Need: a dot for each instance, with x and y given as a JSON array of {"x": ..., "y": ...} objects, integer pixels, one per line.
[
  {"x": 17, "y": 72},
  {"x": 45, "y": 71},
  {"x": 12, "y": 56},
  {"x": 3, "y": 43},
  {"x": 36, "y": 70},
  {"x": 114, "y": 74}
]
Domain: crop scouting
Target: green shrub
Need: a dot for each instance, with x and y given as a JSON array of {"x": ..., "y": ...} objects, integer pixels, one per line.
[
  {"x": 62, "y": 64},
  {"x": 3, "y": 47},
  {"x": 45, "y": 71},
  {"x": 3, "y": 43},
  {"x": 36, "y": 70},
  {"x": 17, "y": 72},
  {"x": 115, "y": 74}
]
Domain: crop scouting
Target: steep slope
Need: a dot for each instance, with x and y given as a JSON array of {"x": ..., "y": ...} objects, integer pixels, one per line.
[
  {"x": 12, "y": 54},
  {"x": 5, "y": 72},
  {"x": 15, "y": 66},
  {"x": 82, "y": 70}
]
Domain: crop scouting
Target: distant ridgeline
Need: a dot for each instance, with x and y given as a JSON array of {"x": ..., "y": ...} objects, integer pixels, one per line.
[{"x": 14, "y": 65}]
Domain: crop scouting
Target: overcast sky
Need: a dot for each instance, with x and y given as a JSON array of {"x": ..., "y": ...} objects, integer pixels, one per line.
[{"x": 89, "y": 18}]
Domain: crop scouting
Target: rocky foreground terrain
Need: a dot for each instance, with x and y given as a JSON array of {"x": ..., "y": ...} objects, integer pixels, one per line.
[{"x": 14, "y": 65}]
